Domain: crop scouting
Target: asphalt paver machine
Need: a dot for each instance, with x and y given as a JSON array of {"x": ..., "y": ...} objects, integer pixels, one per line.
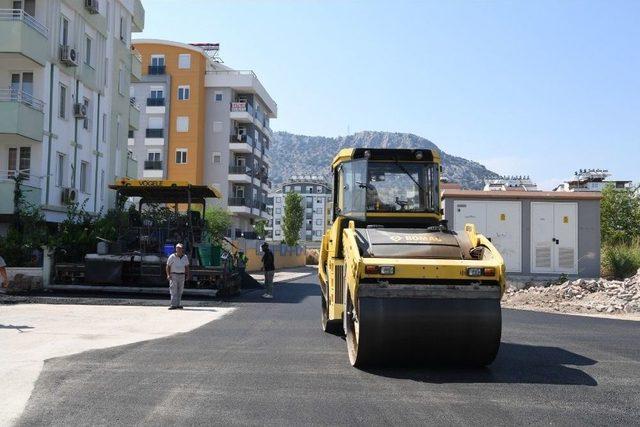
[
  {"x": 161, "y": 214},
  {"x": 395, "y": 279}
]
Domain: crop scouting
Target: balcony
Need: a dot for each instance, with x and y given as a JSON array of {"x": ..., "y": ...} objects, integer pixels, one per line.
[
  {"x": 132, "y": 168},
  {"x": 155, "y": 102},
  {"x": 156, "y": 70},
  {"x": 21, "y": 116},
  {"x": 136, "y": 66},
  {"x": 243, "y": 81},
  {"x": 154, "y": 133},
  {"x": 239, "y": 201},
  {"x": 241, "y": 112},
  {"x": 22, "y": 34},
  {"x": 138, "y": 17},
  {"x": 30, "y": 189},
  {"x": 241, "y": 144},
  {"x": 134, "y": 114},
  {"x": 154, "y": 165},
  {"x": 240, "y": 174}
]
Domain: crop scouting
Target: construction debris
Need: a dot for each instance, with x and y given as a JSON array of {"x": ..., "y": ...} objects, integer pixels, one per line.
[{"x": 579, "y": 296}]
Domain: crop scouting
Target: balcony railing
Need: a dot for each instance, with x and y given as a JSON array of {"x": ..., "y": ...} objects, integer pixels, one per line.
[
  {"x": 242, "y": 139},
  {"x": 155, "y": 102},
  {"x": 239, "y": 170},
  {"x": 156, "y": 70},
  {"x": 24, "y": 17},
  {"x": 15, "y": 95},
  {"x": 155, "y": 165},
  {"x": 155, "y": 133},
  {"x": 241, "y": 107},
  {"x": 133, "y": 103},
  {"x": 239, "y": 201}
]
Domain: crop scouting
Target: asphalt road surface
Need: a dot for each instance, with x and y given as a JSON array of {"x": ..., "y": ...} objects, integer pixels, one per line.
[{"x": 269, "y": 363}]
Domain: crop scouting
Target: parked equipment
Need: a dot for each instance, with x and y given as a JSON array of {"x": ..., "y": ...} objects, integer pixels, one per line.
[
  {"x": 167, "y": 213},
  {"x": 394, "y": 278}
]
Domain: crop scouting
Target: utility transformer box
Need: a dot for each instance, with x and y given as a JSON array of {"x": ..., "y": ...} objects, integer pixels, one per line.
[{"x": 538, "y": 233}]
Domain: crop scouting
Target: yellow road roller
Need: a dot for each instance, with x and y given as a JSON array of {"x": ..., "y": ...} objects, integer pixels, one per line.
[{"x": 395, "y": 279}]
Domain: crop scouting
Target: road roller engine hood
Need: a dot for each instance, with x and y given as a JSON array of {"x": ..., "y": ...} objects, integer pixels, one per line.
[{"x": 413, "y": 243}]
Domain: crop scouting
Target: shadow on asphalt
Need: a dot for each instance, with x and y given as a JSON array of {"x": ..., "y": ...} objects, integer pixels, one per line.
[
  {"x": 515, "y": 364},
  {"x": 287, "y": 293}
]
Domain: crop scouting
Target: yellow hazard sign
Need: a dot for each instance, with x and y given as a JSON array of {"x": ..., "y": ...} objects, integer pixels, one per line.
[
  {"x": 565, "y": 219},
  {"x": 503, "y": 217}
]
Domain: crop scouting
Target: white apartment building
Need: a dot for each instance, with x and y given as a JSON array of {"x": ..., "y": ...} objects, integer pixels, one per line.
[
  {"x": 510, "y": 183},
  {"x": 591, "y": 180},
  {"x": 317, "y": 201},
  {"x": 64, "y": 100}
]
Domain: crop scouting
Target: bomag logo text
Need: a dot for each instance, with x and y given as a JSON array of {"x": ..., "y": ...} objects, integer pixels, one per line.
[{"x": 416, "y": 238}]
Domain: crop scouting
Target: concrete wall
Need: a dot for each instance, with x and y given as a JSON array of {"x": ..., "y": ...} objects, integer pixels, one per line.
[
  {"x": 588, "y": 234},
  {"x": 284, "y": 256}
]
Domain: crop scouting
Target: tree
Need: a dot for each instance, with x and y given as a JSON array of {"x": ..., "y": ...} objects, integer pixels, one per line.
[
  {"x": 260, "y": 228},
  {"x": 293, "y": 218},
  {"x": 619, "y": 215},
  {"x": 218, "y": 222}
]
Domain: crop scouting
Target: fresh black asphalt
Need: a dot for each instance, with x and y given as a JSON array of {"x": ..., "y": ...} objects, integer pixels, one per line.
[{"x": 268, "y": 363}]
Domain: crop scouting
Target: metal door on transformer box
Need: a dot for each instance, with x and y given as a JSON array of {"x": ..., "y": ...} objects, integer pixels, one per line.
[{"x": 554, "y": 237}]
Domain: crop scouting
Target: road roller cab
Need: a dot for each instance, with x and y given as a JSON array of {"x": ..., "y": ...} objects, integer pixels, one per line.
[{"x": 395, "y": 279}]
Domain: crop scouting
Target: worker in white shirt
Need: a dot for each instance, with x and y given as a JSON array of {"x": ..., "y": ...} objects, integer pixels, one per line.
[{"x": 177, "y": 273}]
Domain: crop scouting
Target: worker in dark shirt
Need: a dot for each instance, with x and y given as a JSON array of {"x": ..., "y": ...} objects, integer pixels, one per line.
[{"x": 268, "y": 266}]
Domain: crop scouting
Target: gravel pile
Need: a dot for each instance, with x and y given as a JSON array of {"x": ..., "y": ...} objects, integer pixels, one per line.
[{"x": 581, "y": 295}]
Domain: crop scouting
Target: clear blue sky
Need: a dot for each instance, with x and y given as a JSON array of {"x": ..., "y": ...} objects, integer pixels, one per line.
[{"x": 539, "y": 87}]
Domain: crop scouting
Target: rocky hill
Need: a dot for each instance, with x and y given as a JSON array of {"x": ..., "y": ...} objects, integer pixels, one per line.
[{"x": 311, "y": 155}]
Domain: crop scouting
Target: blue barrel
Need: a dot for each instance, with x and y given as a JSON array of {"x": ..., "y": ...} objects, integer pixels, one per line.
[{"x": 168, "y": 250}]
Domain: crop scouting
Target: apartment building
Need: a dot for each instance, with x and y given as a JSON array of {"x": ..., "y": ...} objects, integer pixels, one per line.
[
  {"x": 64, "y": 100},
  {"x": 204, "y": 123},
  {"x": 591, "y": 180},
  {"x": 317, "y": 201}
]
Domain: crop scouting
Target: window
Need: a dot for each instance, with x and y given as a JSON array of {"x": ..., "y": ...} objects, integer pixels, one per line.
[
  {"x": 62, "y": 107},
  {"x": 153, "y": 156},
  {"x": 217, "y": 127},
  {"x": 60, "y": 170},
  {"x": 84, "y": 174},
  {"x": 122, "y": 29},
  {"x": 64, "y": 31},
  {"x": 87, "y": 51},
  {"x": 104, "y": 128},
  {"x": 182, "y": 124},
  {"x": 157, "y": 60},
  {"x": 13, "y": 161},
  {"x": 277, "y": 232},
  {"x": 217, "y": 158},
  {"x": 157, "y": 93},
  {"x": 278, "y": 199},
  {"x": 121, "y": 80},
  {"x": 102, "y": 188},
  {"x": 181, "y": 156},
  {"x": 25, "y": 161},
  {"x": 278, "y": 221},
  {"x": 278, "y": 210},
  {"x": 86, "y": 122},
  {"x": 318, "y": 222},
  {"x": 318, "y": 233},
  {"x": 297, "y": 189},
  {"x": 319, "y": 210},
  {"x": 184, "y": 61},
  {"x": 183, "y": 92},
  {"x": 218, "y": 97}
]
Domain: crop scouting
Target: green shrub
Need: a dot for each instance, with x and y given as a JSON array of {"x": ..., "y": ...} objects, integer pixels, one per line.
[{"x": 620, "y": 260}]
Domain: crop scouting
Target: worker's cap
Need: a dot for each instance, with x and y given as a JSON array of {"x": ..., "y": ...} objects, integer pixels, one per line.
[{"x": 179, "y": 245}]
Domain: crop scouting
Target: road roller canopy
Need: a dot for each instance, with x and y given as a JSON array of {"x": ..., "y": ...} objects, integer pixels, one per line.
[
  {"x": 165, "y": 191},
  {"x": 386, "y": 182}
]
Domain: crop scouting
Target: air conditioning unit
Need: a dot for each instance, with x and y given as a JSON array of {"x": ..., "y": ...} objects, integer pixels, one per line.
[
  {"x": 69, "y": 56},
  {"x": 92, "y": 6},
  {"x": 69, "y": 195},
  {"x": 79, "y": 111}
]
